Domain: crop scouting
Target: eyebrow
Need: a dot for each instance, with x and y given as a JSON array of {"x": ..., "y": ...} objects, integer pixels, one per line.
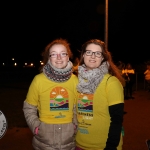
[
  {"x": 91, "y": 50},
  {"x": 60, "y": 52}
]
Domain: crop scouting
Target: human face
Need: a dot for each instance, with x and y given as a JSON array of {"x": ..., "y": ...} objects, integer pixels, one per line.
[
  {"x": 59, "y": 61},
  {"x": 92, "y": 61}
]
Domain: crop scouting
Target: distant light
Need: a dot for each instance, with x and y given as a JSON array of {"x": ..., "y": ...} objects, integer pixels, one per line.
[
  {"x": 15, "y": 64},
  {"x": 13, "y": 59},
  {"x": 25, "y": 64},
  {"x": 31, "y": 64},
  {"x": 41, "y": 63},
  {"x": 3, "y": 64}
]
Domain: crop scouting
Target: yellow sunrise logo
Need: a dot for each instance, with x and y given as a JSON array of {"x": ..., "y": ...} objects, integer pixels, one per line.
[
  {"x": 58, "y": 92},
  {"x": 86, "y": 96},
  {"x": 59, "y": 99}
]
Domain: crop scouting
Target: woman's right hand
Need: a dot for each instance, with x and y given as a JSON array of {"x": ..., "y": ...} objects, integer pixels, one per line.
[{"x": 36, "y": 130}]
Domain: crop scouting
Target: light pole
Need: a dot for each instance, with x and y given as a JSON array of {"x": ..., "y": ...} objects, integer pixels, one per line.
[{"x": 106, "y": 23}]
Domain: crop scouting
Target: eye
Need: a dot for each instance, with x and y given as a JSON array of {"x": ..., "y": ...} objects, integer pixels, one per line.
[
  {"x": 53, "y": 55},
  {"x": 98, "y": 53},
  {"x": 63, "y": 54},
  {"x": 88, "y": 52}
]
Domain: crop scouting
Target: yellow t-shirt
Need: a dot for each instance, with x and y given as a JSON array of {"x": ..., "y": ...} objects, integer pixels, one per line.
[
  {"x": 54, "y": 101},
  {"x": 93, "y": 114}
]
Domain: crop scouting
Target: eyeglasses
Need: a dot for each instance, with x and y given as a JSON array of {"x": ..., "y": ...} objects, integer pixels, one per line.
[
  {"x": 90, "y": 53},
  {"x": 54, "y": 55}
]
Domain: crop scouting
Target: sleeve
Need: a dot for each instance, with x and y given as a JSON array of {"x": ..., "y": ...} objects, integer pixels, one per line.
[
  {"x": 74, "y": 107},
  {"x": 31, "y": 116},
  {"x": 114, "y": 91},
  {"x": 33, "y": 92},
  {"x": 115, "y": 96},
  {"x": 75, "y": 115},
  {"x": 30, "y": 106},
  {"x": 116, "y": 114}
]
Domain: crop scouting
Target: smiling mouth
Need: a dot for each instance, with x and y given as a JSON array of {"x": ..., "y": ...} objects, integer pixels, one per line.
[
  {"x": 59, "y": 62},
  {"x": 92, "y": 61}
]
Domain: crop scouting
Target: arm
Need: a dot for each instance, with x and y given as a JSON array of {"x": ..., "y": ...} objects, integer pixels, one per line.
[
  {"x": 31, "y": 116},
  {"x": 75, "y": 118},
  {"x": 116, "y": 114},
  {"x": 30, "y": 105}
]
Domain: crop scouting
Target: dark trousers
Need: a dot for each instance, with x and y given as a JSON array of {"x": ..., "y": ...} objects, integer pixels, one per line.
[{"x": 128, "y": 89}]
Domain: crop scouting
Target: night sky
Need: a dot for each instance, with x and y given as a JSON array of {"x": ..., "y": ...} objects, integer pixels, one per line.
[{"x": 26, "y": 28}]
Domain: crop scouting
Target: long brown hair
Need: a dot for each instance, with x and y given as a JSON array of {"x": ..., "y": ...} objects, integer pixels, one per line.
[{"x": 113, "y": 69}]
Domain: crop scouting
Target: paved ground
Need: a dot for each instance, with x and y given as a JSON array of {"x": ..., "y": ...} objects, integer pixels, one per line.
[
  {"x": 137, "y": 121},
  {"x": 18, "y": 136}
]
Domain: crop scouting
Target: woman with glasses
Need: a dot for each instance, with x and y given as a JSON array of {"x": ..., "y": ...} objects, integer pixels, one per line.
[
  {"x": 100, "y": 105},
  {"x": 49, "y": 107}
]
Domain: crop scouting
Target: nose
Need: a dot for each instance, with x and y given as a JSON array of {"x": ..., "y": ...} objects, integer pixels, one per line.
[
  {"x": 93, "y": 55},
  {"x": 58, "y": 56}
]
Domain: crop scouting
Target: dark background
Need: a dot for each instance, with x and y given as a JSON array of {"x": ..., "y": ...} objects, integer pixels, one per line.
[{"x": 27, "y": 27}]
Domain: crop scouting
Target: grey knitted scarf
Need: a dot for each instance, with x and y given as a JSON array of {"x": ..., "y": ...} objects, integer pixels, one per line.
[
  {"x": 58, "y": 75},
  {"x": 90, "y": 79}
]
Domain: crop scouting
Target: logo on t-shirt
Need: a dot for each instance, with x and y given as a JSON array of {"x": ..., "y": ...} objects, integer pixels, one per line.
[
  {"x": 59, "y": 99},
  {"x": 85, "y": 103}
]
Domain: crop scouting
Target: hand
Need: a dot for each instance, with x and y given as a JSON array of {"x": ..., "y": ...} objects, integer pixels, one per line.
[{"x": 36, "y": 130}]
